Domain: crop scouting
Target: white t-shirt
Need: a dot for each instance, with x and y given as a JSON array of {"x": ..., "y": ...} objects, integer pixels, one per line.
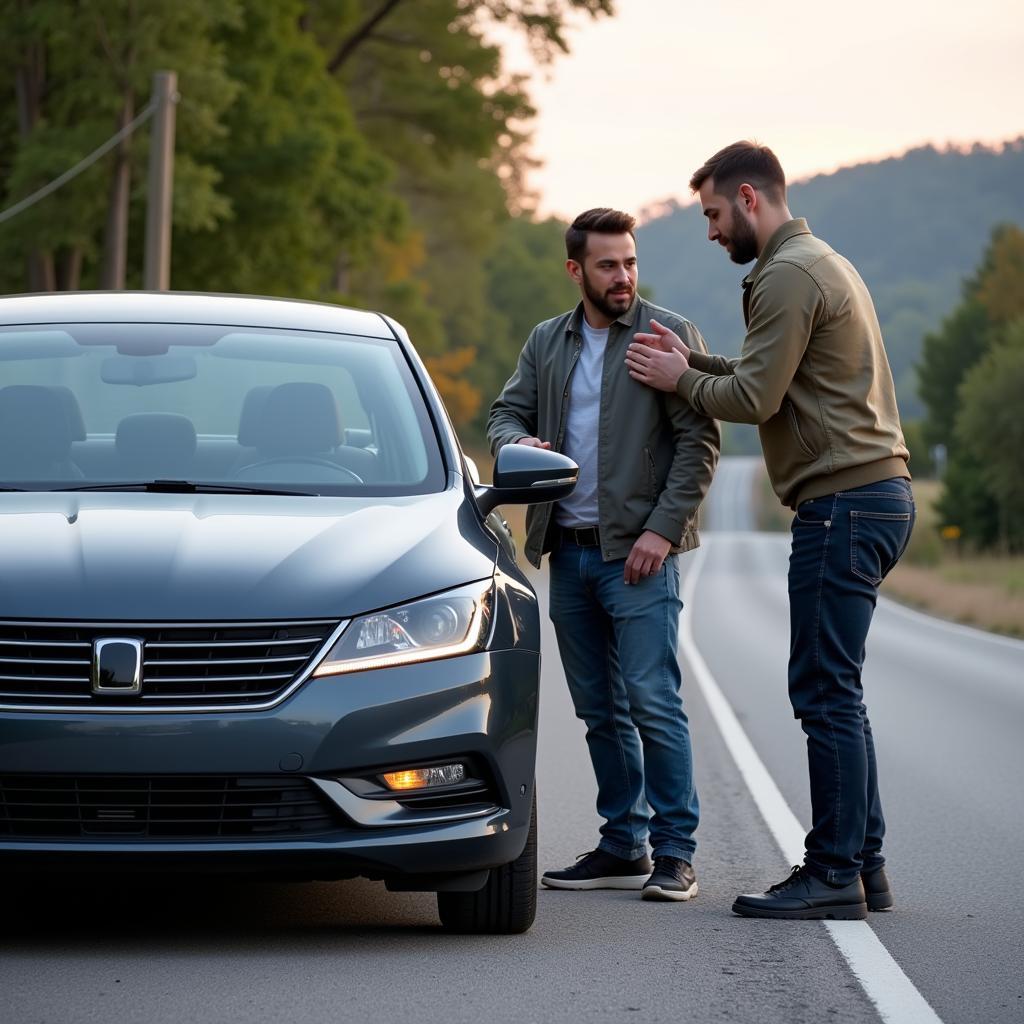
[{"x": 581, "y": 429}]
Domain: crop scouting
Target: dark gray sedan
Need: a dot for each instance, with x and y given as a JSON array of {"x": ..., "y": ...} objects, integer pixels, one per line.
[{"x": 256, "y": 612}]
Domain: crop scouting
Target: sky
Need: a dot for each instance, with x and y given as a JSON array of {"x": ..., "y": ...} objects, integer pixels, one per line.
[{"x": 645, "y": 97}]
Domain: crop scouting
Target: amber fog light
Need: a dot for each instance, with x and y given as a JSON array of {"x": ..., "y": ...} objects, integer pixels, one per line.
[{"x": 424, "y": 778}]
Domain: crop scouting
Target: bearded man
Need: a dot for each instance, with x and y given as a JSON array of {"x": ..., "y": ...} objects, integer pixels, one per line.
[{"x": 646, "y": 461}]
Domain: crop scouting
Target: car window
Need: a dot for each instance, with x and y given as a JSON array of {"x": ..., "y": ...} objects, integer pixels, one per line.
[{"x": 96, "y": 403}]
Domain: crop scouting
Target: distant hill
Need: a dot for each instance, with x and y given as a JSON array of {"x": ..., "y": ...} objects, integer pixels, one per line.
[{"x": 914, "y": 226}]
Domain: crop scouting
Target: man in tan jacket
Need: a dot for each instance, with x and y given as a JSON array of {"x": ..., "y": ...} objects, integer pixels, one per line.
[{"x": 813, "y": 375}]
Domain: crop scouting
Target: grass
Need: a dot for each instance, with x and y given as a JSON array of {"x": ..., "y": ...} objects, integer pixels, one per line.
[
  {"x": 981, "y": 590},
  {"x": 934, "y": 575}
]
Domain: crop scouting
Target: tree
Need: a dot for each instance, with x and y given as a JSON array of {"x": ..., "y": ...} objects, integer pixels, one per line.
[
  {"x": 82, "y": 71},
  {"x": 990, "y": 430},
  {"x": 300, "y": 177},
  {"x": 960, "y": 389}
]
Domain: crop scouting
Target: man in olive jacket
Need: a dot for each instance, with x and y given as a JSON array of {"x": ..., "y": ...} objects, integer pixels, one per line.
[
  {"x": 813, "y": 375},
  {"x": 646, "y": 461}
]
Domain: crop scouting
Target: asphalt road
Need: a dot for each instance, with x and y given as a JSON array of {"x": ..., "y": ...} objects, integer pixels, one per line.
[{"x": 948, "y": 711}]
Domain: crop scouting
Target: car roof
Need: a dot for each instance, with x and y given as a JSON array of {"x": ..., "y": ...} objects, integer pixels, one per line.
[{"x": 190, "y": 308}]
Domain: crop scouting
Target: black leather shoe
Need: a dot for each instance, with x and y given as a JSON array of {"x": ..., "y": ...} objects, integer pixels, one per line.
[
  {"x": 876, "y": 888},
  {"x": 672, "y": 879},
  {"x": 804, "y": 897},
  {"x": 600, "y": 870}
]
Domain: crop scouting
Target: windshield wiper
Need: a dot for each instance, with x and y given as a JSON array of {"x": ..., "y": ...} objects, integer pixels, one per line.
[{"x": 176, "y": 487}]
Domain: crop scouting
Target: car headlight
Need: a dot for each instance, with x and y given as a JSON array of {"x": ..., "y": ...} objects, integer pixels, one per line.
[{"x": 455, "y": 622}]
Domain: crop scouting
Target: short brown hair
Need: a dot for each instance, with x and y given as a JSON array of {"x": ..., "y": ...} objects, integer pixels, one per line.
[
  {"x": 604, "y": 221},
  {"x": 743, "y": 163}
]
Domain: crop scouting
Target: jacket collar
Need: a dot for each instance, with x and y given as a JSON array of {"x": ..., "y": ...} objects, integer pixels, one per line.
[
  {"x": 796, "y": 226},
  {"x": 627, "y": 318}
]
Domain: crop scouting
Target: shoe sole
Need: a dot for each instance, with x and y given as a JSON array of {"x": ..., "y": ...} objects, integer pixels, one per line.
[
  {"x": 847, "y": 912},
  {"x": 631, "y": 882},
  {"x": 657, "y": 892}
]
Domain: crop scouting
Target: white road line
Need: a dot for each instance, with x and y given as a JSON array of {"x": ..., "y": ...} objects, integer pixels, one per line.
[{"x": 883, "y": 980}]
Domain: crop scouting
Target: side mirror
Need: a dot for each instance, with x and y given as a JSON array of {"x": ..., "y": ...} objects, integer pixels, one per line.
[{"x": 527, "y": 476}]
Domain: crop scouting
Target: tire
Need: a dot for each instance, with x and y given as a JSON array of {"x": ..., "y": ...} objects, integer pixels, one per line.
[{"x": 506, "y": 905}]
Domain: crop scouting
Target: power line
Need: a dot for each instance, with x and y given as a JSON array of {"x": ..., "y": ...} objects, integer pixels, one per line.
[{"x": 143, "y": 116}]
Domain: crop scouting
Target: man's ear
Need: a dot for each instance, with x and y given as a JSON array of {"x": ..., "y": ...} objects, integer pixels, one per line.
[
  {"x": 574, "y": 270},
  {"x": 747, "y": 197}
]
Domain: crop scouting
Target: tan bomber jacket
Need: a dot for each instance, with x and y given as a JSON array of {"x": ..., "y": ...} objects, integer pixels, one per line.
[{"x": 812, "y": 372}]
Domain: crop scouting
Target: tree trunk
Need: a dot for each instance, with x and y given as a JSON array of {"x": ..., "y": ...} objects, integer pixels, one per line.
[
  {"x": 69, "y": 269},
  {"x": 115, "y": 243},
  {"x": 29, "y": 83},
  {"x": 340, "y": 276}
]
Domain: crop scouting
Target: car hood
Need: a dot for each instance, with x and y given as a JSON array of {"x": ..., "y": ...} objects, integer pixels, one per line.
[{"x": 148, "y": 557}]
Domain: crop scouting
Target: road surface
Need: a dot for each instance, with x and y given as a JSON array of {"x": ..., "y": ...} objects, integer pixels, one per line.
[{"x": 947, "y": 706}]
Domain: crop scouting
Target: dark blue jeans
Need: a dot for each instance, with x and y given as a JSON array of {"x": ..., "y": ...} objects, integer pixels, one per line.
[
  {"x": 618, "y": 648},
  {"x": 844, "y": 545}
]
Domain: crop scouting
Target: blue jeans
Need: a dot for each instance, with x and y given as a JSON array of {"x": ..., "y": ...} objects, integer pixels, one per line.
[
  {"x": 844, "y": 545},
  {"x": 618, "y": 649}
]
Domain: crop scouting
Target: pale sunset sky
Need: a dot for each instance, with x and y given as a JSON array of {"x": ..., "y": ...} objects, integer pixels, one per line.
[{"x": 645, "y": 97}]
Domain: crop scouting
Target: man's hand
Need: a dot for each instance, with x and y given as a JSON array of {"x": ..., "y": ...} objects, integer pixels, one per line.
[
  {"x": 658, "y": 359},
  {"x": 534, "y": 442},
  {"x": 647, "y": 556}
]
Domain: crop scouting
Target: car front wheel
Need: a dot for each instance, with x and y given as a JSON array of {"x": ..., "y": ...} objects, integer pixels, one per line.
[{"x": 506, "y": 905}]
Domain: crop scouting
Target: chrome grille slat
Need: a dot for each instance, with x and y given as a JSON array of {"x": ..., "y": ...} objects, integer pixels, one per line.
[
  {"x": 44, "y": 661},
  {"x": 43, "y": 643},
  {"x": 220, "y": 661},
  {"x": 194, "y": 663},
  {"x": 45, "y": 679},
  {"x": 218, "y": 679},
  {"x": 237, "y": 643}
]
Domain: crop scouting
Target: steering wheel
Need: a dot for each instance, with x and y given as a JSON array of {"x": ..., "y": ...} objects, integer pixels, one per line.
[{"x": 304, "y": 460}]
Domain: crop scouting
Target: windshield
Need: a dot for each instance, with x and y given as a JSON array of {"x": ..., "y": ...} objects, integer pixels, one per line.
[{"x": 91, "y": 404}]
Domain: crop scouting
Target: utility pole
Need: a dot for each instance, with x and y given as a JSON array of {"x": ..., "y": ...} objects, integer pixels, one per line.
[{"x": 157, "y": 268}]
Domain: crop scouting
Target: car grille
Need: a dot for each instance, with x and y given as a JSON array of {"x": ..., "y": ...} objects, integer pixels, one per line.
[
  {"x": 161, "y": 807},
  {"x": 201, "y": 664}
]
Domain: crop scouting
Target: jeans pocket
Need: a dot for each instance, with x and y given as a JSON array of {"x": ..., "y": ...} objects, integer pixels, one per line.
[
  {"x": 815, "y": 511},
  {"x": 877, "y": 540}
]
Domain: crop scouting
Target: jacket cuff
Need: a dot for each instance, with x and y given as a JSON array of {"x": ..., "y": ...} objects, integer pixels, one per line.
[
  {"x": 665, "y": 526},
  {"x": 507, "y": 439},
  {"x": 699, "y": 361},
  {"x": 687, "y": 382}
]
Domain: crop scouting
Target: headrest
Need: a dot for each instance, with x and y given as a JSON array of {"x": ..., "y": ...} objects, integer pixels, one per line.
[
  {"x": 296, "y": 419},
  {"x": 76, "y": 424},
  {"x": 252, "y": 412},
  {"x": 35, "y": 420},
  {"x": 156, "y": 438}
]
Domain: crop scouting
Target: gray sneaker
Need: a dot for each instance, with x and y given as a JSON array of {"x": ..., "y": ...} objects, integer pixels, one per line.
[
  {"x": 672, "y": 879},
  {"x": 600, "y": 870}
]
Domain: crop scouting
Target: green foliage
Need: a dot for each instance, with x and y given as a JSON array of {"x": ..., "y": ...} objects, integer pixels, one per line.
[
  {"x": 922, "y": 465},
  {"x": 94, "y": 62},
  {"x": 990, "y": 430},
  {"x": 303, "y": 182},
  {"x": 971, "y": 383},
  {"x": 947, "y": 355}
]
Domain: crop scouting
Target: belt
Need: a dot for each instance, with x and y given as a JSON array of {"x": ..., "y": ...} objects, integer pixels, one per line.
[{"x": 583, "y": 536}]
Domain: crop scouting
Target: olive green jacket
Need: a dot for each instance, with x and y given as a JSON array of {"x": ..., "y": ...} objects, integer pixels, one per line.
[
  {"x": 812, "y": 372},
  {"x": 656, "y": 455}
]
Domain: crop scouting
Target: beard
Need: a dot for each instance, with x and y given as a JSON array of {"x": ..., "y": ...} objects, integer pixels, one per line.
[
  {"x": 609, "y": 304},
  {"x": 744, "y": 242}
]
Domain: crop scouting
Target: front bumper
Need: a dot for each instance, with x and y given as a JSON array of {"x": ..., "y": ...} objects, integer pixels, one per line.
[{"x": 482, "y": 706}]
